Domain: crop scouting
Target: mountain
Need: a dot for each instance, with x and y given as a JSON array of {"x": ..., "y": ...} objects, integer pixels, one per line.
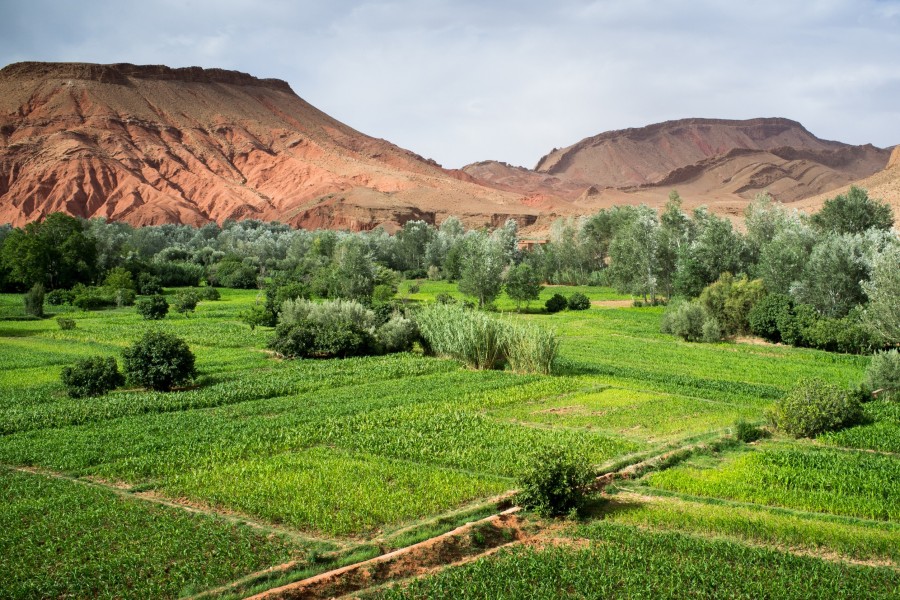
[
  {"x": 153, "y": 144},
  {"x": 721, "y": 163}
]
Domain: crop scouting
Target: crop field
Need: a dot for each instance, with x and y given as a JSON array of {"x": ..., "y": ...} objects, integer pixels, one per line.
[{"x": 263, "y": 462}]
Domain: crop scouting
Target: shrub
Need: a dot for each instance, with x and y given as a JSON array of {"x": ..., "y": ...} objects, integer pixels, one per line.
[
  {"x": 556, "y": 303},
  {"x": 123, "y": 297},
  {"x": 554, "y": 483},
  {"x": 730, "y": 301},
  {"x": 444, "y": 298},
  {"x": 763, "y": 318},
  {"x": 92, "y": 376},
  {"x": 34, "y": 301},
  {"x": 712, "y": 331},
  {"x": 119, "y": 279},
  {"x": 159, "y": 361},
  {"x": 209, "y": 293},
  {"x": 153, "y": 308},
  {"x": 177, "y": 274},
  {"x": 382, "y": 294},
  {"x": 65, "y": 324},
  {"x": 91, "y": 298},
  {"x": 579, "y": 301},
  {"x": 814, "y": 407},
  {"x": 746, "y": 432},
  {"x": 59, "y": 297},
  {"x": 414, "y": 288},
  {"x": 256, "y": 315},
  {"x": 149, "y": 284},
  {"x": 468, "y": 335},
  {"x": 337, "y": 328},
  {"x": 883, "y": 374},
  {"x": 530, "y": 349},
  {"x": 186, "y": 301},
  {"x": 398, "y": 334}
]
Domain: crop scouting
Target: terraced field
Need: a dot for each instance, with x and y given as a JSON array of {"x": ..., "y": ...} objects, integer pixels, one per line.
[{"x": 303, "y": 466}]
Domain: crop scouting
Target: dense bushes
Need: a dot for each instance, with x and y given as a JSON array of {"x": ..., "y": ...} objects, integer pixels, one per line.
[
  {"x": 579, "y": 301},
  {"x": 814, "y": 407},
  {"x": 159, "y": 361},
  {"x": 691, "y": 322},
  {"x": 186, "y": 301},
  {"x": 556, "y": 303},
  {"x": 93, "y": 376},
  {"x": 554, "y": 483},
  {"x": 65, "y": 324},
  {"x": 485, "y": 342},
  {"x": 338, "y": 328},
  {"x": 153, "y": 308},
  {"x": 883, "y": 374}
]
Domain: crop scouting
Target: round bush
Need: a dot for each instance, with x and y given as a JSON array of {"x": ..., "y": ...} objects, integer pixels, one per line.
[
  {"x": 556, "y": 303},
  {"x": 554, "y": 483},
  {"x": 209, "y": 293},
  {"x": 814, "y": 407},
  {"x": 579, "y": 301},
  {"x": 159, "y": 361},
  {"x": 65, "y": 323},
  {"x": 153, "y": 308},
  {"x": 92, "y": 376},
  {"x": 765, "y": 315},
  {"x": 186, "y": 301},
  {"x": 59, "y": 297},
  {"x": 398, "y": 334},
  {"x": 148, "y": 284}
]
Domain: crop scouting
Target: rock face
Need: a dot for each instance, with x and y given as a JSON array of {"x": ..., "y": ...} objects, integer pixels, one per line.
[
  {"x": 720, "y": 163},
  {"x": 153, "y": 144}
]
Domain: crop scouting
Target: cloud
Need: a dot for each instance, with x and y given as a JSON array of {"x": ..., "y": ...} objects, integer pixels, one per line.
[{"x": 461, "y": 80}]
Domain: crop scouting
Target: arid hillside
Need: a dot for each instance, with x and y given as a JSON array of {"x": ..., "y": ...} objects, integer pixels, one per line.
[
  {"x": 152, "y": 144},
  {"x": 719, "y": 163}
]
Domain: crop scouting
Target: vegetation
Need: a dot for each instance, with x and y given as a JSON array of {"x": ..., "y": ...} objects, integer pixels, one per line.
[
  {"x": 814, "y": 407},
  {"x": 556, "y": 303},
  {"x": 883, "y": 374},
  {"x": 92, "y": 376},
  {"x": 554, "y": 483},
  {"x": 154, "y": 308},
  {"x": 159, "y": 361},
  {"x": 579, "y": 301}
]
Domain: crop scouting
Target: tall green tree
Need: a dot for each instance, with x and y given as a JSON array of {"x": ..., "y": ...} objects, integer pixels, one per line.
[
  {"x": 882, "y": 314},
  {"x": 523, "y": 284},
  {"x": 481, "y": 268},
  {"x": 55, "y": 252},
  {"x": 634, "y": 256},
  {"x": 853, "y": 212}
]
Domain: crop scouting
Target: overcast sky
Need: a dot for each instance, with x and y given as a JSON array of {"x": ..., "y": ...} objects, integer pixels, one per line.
[{"x": 467, "y": 80}]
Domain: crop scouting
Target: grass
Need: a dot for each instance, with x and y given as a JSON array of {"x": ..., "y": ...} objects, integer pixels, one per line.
[
  {"x": 362, "y": 447},
  {"x": 64, "y": 539},
  {"x": 838, "y": 482},
  {"x": 617, "y": 561}
]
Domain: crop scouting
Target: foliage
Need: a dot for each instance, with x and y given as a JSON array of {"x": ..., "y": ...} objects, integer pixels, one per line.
[
  {"x": 185, "y": 301},
  {"x": 153, "y": 308},
  {"x": 764, "y": 317},
  {"x": 579, "y": 301},
  {"x": 59, "y": 297},
  {"x": 92, "y": 376},
  {"x": 481, "y": 266},
  {"x": 159, "y": 361},
  {"x": 853, "y": 212},
  {"x": 92, "y": 298},
  {"x": 209, "y": 293},
  {"x": 65, "y": 324},
  {"x": 882, "y": 314},
  {"x": 554, "y": 483},
  {"x": 715, "y": 249},
  {"x": 119, "y": 279},
  {"x": 397, "y": 334},
  {"x": 747, "y": 432},
  {"x": 530, "y": 349},
  {"x": 883, "y": 373},
  {"x": 833, "y": 275},
  {"x": 691, "y": 322},
  {"x": 34, "y": 300},
  {"x": 729, "y": 301},
  {"x": 556, "y": 303},
  {"x": 468, "y": 335},
  {"x": 814, "y": 407},
  {"x": 55, "y": 252},
  {"x": 149, "y": 284},
  {"x": 335, "y": 328},
  {"x": 523, "y": 284}
]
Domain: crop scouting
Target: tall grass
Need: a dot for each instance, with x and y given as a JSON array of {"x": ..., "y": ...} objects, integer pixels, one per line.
[{"x": 485, "y": 342}]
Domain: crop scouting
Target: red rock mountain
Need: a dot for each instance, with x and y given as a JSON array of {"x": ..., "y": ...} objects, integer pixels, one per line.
[
  {"x": 152, "y": 144},
  {"x": 716, "y": 162}
]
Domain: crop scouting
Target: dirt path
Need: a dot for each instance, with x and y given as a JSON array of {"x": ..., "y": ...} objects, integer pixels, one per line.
[{"x": 612, "y": 303}]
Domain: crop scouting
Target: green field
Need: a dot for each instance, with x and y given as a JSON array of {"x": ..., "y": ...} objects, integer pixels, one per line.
[{"x": 338, "y": 455}]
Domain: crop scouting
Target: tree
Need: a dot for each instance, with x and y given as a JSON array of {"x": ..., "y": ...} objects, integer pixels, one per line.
[
  {"x": 353, "y": 274},
  {"x": 782, "y": 259},
  {"x": 634, "y": 256},
  {"x": 186, "y": 301},
  {"x": 55, "y": 252},
  {"x": 882, "y": 314},
  {"x": 481, "y": 271},
  {"x": 34, "y": 301},
  {"x": 853, "y": 212},
  {"x": 715, "y": 250},
  {"x": 523, "y": 284},
  {"x": 831, "y": 279},
  {"x": 153, "y": 308},
  {"x": 554, "y": 483},
  {"x": 159, "y": 361},
  {"x": 814, "y": 407}
]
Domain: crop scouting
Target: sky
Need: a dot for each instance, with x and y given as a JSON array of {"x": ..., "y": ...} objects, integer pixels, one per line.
[{"x": 466, "y": 80}]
